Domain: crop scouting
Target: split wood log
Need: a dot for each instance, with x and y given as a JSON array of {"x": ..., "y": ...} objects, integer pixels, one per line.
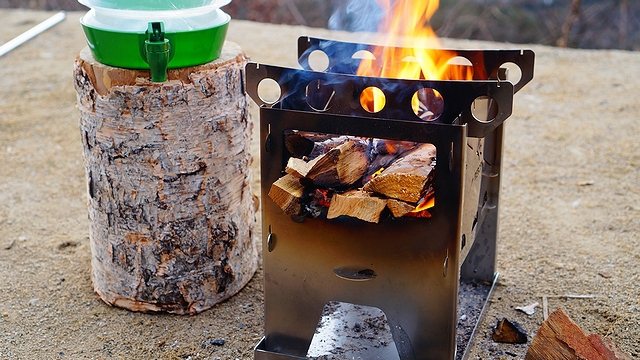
[
  {"x": 297, "y": 167},
  {"x": 170, "y": 207},
  {"x": 399, "y": 208},
  {"x": 358, "y": 204},
  {"x": 384, "y": 152},
  {"x": 311, "y": 145},
  {"x": 341, "y": 166},
  {"x": 561, "y": 338},
  {"x": 407, "y": 178},
  {"x": 286, "y": 192}
]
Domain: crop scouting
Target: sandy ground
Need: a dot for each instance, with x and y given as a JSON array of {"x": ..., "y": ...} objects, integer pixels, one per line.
[{"x": 570, "y": 207}]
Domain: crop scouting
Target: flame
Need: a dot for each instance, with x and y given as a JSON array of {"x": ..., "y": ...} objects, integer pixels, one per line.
[
  {"x": 422, "y": 210},
  {"x": 417, "y": 57},
  {"x": 426, "y": 204}
]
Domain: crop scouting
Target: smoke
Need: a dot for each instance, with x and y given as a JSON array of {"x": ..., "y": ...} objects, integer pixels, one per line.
[{"x": 355, "y": 15}]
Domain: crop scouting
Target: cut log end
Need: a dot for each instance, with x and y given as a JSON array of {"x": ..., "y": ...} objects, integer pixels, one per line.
[
  {"x": 561, "y": 338},
  {"x": 357, "y": 204},
  {"x": 286, "y": 192}
]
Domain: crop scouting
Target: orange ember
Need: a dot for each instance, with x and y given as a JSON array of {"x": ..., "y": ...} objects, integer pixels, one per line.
[
  {"x": 407, "y": 25},
  {"x": 322, "y": 197}
]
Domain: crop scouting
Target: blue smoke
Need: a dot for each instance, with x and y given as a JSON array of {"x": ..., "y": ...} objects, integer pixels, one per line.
[{"x": 355, "y": 15}]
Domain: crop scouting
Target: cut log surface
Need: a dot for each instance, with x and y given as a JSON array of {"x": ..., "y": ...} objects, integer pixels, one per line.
[
  {"x": 560, "y": 338},
  {"x": 297, "y": 167},
  {"x": 357, "y": 204},
  {"x": 170, "y": 207},
  {"x": 286, "y": 192},
  {"x": 399, "y": 208},
  {"x": 407, "y": 177}
]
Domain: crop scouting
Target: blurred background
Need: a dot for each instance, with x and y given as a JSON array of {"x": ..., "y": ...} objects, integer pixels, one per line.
[{"x": 589, "y": 24}]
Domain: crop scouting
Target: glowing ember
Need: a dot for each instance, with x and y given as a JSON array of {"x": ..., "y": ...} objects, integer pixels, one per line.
[
  {"x": 322, "y": 198},
  {"x": 407, "y": 25}
]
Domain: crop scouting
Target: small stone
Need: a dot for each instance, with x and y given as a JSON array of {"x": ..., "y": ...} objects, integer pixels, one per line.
[
  {"x": 463, "y": 317},
  {"x": 10, "y": 244},
  {"x": 22, "y": 238},
  {"x": 217, "y": 342},
  {"x": 529, "y": 309},
  {"x": 604, "y": 274}
]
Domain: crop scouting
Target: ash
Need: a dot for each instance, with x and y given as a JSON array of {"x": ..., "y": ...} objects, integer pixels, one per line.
[
  {"x": 471, "y": 299},
  {"x": 349, "y": 331}
]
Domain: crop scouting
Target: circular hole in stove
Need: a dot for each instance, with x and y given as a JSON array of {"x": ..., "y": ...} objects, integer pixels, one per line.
[
  {"x": 373, "y": 99},
  {"x": 360, "y": 57},
  {"x": 318, "y": 60},
  {"x": 319, "y": 95},
  {"x": 269, "y": 91},
  {"x": 512, "y": 72},
  {"x": 484, "y": 109},
  {"x": 427, "y": 104}
]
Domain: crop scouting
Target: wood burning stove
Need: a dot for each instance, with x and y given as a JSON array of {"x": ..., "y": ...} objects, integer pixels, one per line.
[{"x": 410, "y": 268}]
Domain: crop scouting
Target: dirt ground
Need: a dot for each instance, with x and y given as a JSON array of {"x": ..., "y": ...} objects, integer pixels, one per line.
[{"x": 569, "y": 218}]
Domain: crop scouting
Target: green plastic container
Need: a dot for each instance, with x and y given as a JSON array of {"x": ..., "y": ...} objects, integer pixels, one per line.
[
  {"x": 152, "y": 4},
  {"x": 185, "y": 32},
  {"x": 126, "y": 49}
]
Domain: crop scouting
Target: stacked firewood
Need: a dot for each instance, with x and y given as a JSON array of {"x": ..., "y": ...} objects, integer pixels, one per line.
[{"x": 365, "y": 178}]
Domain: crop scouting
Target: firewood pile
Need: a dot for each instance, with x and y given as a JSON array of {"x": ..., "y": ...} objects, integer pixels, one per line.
[{"x": 328, "y": 176}]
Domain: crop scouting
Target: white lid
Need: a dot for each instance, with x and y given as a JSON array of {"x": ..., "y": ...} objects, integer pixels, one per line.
[
  {"x": 152, "y": 5},
  {"x": 138, "y": 21}
]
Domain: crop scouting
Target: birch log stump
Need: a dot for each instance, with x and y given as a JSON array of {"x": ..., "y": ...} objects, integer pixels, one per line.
[{"x": 170, "y": 208}]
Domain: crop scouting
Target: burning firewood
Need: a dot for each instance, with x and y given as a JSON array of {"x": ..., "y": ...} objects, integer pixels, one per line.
[
  {"x": 298, "y": 144},
  {"x": 407, "y": 178},
  {"x": 358, "y": 204},
  {"x": 345, "y": 163},
  {"x": 298, "y": 167},
  {"x": 399, "y": 208},
  {"x": 384, "y": 152},
  {"x": 340, "y": 166},
  {"x": 286, "y": 192},
  {"x": 305, "y": 144}
]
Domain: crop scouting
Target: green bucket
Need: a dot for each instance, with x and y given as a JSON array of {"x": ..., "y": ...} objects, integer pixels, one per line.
[
  {"x": 155, "y": 34},
  {"x": 126, "y": 49}
]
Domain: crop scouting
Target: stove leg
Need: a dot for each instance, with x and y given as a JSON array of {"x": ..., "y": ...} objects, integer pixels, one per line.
[{"x": 291, "y": 332}]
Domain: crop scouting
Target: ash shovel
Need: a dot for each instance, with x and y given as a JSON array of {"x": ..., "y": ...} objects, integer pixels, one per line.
[{"x": 33, "y": 32}]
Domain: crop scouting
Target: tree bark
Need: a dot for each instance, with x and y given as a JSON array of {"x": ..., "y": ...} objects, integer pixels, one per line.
[{"x": 170, "y": 207}]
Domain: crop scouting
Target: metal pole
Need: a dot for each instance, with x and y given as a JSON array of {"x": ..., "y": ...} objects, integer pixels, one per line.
[{"x": 31, "y": 33}]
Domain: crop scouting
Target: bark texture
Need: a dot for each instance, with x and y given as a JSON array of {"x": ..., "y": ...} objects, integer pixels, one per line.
[{"x": 170, "y": 206}]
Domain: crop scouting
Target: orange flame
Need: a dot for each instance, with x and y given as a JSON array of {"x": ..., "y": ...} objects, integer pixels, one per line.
[
  {"x": 407, "y": 25},
  {"x": 427, "y": 203}
]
